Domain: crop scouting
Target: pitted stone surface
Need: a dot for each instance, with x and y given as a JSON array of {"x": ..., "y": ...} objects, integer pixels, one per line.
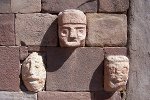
[
  {"x": 33, "y": 72},
  {"x": 116, "y": 72},
  {"x": 106, "y": 30},
  {"x": 9, "y": 69},
  {"x": 72, "y": 28},
  {"x": 17, "y": 96},
  {"x": 5, "y": 6},
  {"x": 25, "y": 6},
  {"x": 7, "y": 34},
  {"x": 65, "y": 95},
  {"x": 115, "y": 51},
  {"x": 113, "y": 5},
  {"x": 70, "y": 69},
  {"x": 36, "y": 29},
  {"x": 55, "y": 6}
]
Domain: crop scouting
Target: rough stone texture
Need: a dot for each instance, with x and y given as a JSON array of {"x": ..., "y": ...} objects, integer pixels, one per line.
[
  {"x": 17, "y": 96},
  {"x": 113, "y": 5},
  {"x": 33, "y": 72},
  {"x": 71, "y": 69},
  {"x": 55, "y": 6},
  {"x": 36, "y": 49},
  {"x": 139, "y": 48},
  {"x": 7, "y": 35},
  {"x": 65, "y": 96},
  {"x": 106, "y": 30},
  {"x": 23, "y": 52},
  {"x": 36, "y": 29},
  {"x": 107, "y": 96},
  {"x": 25, "y": 6},
  {"x": 115, "y": 51},
  {"x": 5, "y": 6},
  {"x": 72, "y": 28},
  {"x": 9, "y": 68},
  {"x": 116, "y": 72}
]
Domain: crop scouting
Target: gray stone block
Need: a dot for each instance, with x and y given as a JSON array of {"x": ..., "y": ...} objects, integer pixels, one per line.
[
  {"x": 25, "y": 6},
  {"x": 5, "y": 6},
  {"x": 60, "y": 5},
  {"x": 70, "y": 69},
  {"x": 36, "y": 29},
  {"x": 113, "y": 5},
  {"x": 17, "y": 96},
  {"x": 106, "y": 30},
  {"x": 65, "y": 95}
]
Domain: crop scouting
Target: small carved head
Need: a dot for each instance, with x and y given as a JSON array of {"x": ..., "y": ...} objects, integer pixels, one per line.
[
  {"x": 116, "y": 72},
  {"x": 72, "y": 28},
  {"x": 33, "y": 72}
]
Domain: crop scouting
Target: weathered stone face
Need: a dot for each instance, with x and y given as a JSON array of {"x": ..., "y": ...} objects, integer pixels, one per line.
[
  {"x": 72, "y": 28},
  {"x": 116, "y": 73},
  {"x": 33, "y": 72}
]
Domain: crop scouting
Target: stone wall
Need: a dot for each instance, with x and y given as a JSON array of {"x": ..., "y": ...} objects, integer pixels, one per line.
[{"x": 28, "y": 26}]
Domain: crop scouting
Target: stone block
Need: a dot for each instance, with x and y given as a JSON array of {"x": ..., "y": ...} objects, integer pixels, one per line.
[
  {"x": 113, "y": 5},
  {"x": 7, "y": 35},
  {"x": 10, "y": 68},
  {"x": 106, "y": 30},
  {"x": 37, "y": 49},
  {"x": 17, "y": 96},
  {"x": 5, "y": 6},
  {"x": 23, "y": 52},
  {"x": 65, "y": 95},
  {"x": 115, "y": 51},
  {"x": 55, "y": 6},
  {"x": 70, "y": 69},
  {"x": 25, "y": 6},
  {"x": 107, "y": 96},
  {"x": 36, "y": 29}
]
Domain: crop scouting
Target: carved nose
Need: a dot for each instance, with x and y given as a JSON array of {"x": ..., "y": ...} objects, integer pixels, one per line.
[
  {"x": 32, "y": 69},
  {"x": 73, "y": 34}
]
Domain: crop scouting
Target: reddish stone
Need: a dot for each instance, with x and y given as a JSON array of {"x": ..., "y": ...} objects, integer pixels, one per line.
[
  {"x": 10, "y": 68},
  {"x": 5, "y": 6},
  {"x": 113, "y": 5},
  {"x": 115, "y": 51},
  {"x": 65, "y": 95},
  {"x": 23, "y": 52},
  {"x": 70, "y": 69},
  {"x": 106, "y": 30},
  {"x": 107, "y": 96},
  {"x": 55, "y": 6},
  {"x": 7, "y": 35}
]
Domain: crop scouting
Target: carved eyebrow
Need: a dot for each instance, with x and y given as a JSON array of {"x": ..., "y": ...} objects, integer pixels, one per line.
[{"x": 80, "y": 27}]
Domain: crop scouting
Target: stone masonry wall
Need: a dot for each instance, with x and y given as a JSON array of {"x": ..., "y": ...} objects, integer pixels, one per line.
[{"x": 28, "y": 26}]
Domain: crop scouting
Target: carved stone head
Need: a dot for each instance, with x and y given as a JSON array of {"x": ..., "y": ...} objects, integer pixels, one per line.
[
  {"x": 33, "y": 72},
  {"x": 72, "y": 28},
  {"x": 116, "y": 72}
]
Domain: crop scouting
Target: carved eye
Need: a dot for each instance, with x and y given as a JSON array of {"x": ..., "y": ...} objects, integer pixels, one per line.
[{"x": 64, "y": 32}]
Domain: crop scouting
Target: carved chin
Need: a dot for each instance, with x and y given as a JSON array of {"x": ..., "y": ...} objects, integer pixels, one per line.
[{"x": 35, "y": 85}]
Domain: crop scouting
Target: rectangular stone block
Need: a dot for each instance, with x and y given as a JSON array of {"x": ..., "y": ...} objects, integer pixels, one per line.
[
  {"x": 106, "y": 30},
  {"x": 113, "y": 5},
  {"x": 65, "y": 95},
  {"x": 5, "y": 6},
  {"x": 115, "y": 51},
  {"x": 36, "y": 29},
  {"x": 17, "y": 96},
  {"x": 108, "y": 96},
  {"x": 70, "y": 69},
  {"x": 7, "y": 35},
  {"x": 55, "y": 6},
  {"x": 9, "y": 68},
  {"x": 25, "y": 6},
  {"x": 37, "y": 49}
]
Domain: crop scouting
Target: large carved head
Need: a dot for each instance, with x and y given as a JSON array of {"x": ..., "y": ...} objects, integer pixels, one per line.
[
  {"x": 116, "y": 73},
  {"x": 72, "y": 28},
  {"x": 33, "y": 72}
]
